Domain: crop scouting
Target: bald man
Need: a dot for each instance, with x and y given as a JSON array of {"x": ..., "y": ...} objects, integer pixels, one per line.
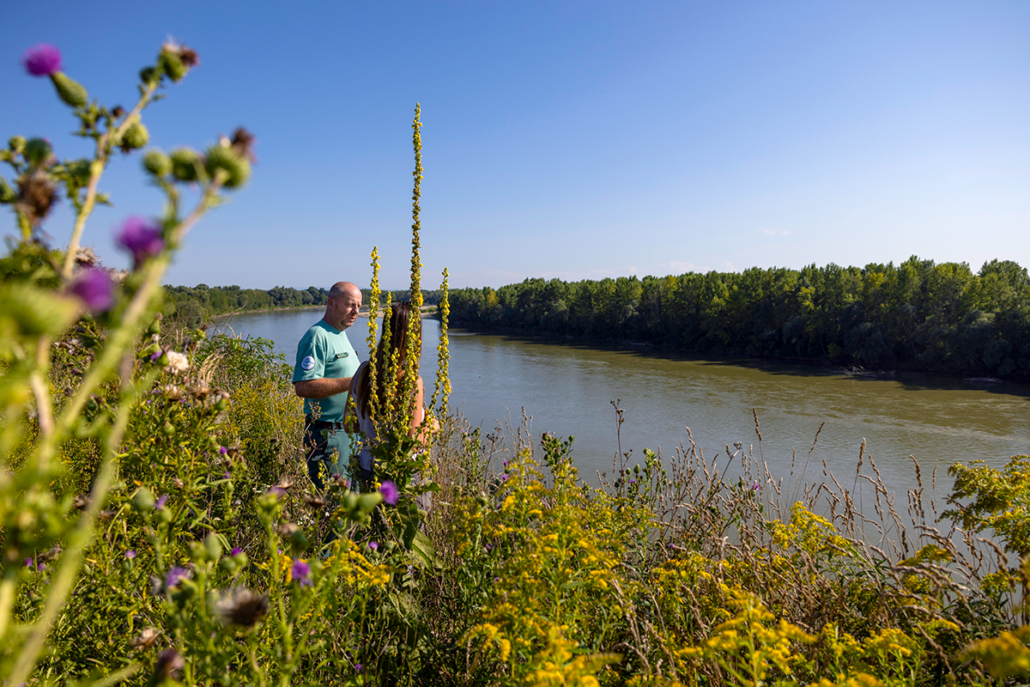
[{"x": 326, "y": 362}]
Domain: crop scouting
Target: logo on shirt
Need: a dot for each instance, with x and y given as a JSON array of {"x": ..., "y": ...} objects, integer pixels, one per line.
[{"x": 307, "y": 363}]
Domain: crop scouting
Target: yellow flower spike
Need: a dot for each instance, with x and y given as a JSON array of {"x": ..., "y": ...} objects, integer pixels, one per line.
[
  {"x": 442, "y": 387},
  {"x": 373, "y": 325}
]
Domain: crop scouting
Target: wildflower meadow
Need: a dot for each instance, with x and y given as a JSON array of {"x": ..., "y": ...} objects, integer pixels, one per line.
[{"x": 158, "y": 527}]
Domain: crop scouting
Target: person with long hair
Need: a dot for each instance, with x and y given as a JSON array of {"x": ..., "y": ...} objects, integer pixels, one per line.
[{"x": 392, "y": 355}]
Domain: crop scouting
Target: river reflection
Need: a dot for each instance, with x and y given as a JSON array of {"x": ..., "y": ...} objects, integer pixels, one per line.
[{"x": 568, "y": 388}]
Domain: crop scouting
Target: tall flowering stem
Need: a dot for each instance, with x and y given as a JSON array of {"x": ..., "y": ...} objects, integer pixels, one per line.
[
  {"x": 136, "y": 303},
  {"x": 373, "y": 325},
  {"x": 414, "y": 325},
  {"x": 442, "y": 388}
]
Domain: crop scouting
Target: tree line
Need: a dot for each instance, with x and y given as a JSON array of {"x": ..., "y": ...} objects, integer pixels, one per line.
[
  {"x": 918, "y": 314},
  {"x": 192, "y": 305}
]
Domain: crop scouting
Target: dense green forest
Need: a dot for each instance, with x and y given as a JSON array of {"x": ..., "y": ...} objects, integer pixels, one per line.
[
  {"x": 917, "y": 314},
  {"x": 191, "y": 305}
]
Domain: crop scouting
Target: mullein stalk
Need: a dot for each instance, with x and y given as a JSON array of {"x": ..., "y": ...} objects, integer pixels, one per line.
[
  {"x": 385, "y": 405},
  {"x": 373, "y": 324},
  {"x": 414, "y": 325},
  {"x": 442, "y": 388}
]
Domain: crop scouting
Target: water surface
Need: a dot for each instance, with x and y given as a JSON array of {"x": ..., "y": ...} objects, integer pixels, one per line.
[{"x": 568, "y": 387}]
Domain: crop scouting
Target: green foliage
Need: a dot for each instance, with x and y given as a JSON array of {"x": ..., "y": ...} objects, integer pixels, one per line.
[
  {"x": 917, "y": 314},
  {"x": 1000, "y": 501}
]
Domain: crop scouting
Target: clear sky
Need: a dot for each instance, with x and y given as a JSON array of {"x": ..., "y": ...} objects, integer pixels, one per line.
[{"x": 562, "y": 139}]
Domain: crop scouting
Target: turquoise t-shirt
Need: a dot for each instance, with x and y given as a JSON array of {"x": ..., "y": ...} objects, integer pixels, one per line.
[{"x": 325, "y": 352}]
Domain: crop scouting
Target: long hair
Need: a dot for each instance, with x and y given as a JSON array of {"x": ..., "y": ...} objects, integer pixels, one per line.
[{"x": 400, "y": 322}]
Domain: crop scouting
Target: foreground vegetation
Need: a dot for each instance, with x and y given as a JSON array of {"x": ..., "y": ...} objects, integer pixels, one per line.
[
  {"x": 918, "y": 314},
  {"x": 212, "y": 563},
  {"x": 157, "y": 527}
]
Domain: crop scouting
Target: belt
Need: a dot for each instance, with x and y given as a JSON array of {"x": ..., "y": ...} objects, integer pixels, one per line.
[{"x": 320, "y": 424}]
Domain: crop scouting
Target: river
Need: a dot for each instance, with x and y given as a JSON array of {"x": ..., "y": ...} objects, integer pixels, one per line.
[{"x": 567, "y": 387}]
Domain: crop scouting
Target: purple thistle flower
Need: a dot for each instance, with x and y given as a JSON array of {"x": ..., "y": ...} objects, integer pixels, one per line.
[
  {"x": 42, "y": 60},
  {"x": 175, "y": 576},
  {"x": 236, "y": 551},
  {"x": 358, "y": 667},
  {"x": 28, "y": 562},
  {"x": 130, "y": 554},
  {"x": 93, "y": 287},
  {"x": 227, "y": 475},
  {"x": 41, "y": 567},
  {"x": 374, "y": 545},
  {"x": 223, "y": 450},
  {"x": 390, "y": 493},
  {"x": 504, "y": 477},
  {"x": 756, "y": 486},
  {"x": 141, "y": 238},
  {"x": 300, "y": 573},
  {"x": 161, "y": 501}
]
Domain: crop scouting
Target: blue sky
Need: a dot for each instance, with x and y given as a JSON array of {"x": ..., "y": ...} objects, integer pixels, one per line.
[{"x": 571, "y": 140}]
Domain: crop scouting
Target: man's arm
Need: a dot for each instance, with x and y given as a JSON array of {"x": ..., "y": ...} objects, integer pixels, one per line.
[{"x": 321, "y": 388}]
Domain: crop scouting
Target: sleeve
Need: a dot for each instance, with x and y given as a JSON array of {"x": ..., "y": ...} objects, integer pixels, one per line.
[{"x": 310, "y": 357}]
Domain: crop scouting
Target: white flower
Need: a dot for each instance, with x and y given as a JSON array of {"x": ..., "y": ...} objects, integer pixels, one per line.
[{"x": 177, "y": 362}]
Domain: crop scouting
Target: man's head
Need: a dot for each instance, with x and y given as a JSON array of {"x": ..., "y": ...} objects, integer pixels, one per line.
[{"x": 344, "y": 304}]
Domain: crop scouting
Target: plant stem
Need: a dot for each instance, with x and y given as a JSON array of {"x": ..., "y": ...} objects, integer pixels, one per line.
[
  {"x": 96, "y": 170},
  {"x": 63, "y": 581},
  {"x": 39, "y": 387},
  {"x": 7, "y": 587}
]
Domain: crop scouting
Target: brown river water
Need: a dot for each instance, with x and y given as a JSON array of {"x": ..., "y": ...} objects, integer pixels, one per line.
[{"x": 567, "y": 388}]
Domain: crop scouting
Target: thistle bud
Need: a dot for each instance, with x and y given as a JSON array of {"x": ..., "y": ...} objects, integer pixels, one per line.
[
  {"x": 143, "y": 501},
  {"x": 37, "y": 151},
  {"x": 237, "y": 169},
  {"x": 212, "y": 547},
  {"x": 81, "y": 171},
  {"x": 184, "y": 164},
  {"x": 149, "y": 75},
  {"x": 172, "y": 65},
  {"x": 16, "y": 143},
  {"x": 136, "y": 136},
  {"x": 157, "y": 163},
  {"x": 69, "y": 90}
]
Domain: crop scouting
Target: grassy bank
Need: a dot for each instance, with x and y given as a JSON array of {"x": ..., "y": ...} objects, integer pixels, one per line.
[{"x": 215, "y": 546}]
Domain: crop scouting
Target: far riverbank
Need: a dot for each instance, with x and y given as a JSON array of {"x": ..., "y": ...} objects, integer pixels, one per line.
[
  {"x": 739, "y": 357},
  {"x": 426, "y": 311}
]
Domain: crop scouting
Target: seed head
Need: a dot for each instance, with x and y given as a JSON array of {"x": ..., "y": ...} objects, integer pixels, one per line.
[
  {"x": 146, "y": 639},
  {"x": 242, "y": 607},
  {"x": 169, "y": 663},
  {"x": 36, "y": 196},
  {"x": 243, "y": 144}
]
